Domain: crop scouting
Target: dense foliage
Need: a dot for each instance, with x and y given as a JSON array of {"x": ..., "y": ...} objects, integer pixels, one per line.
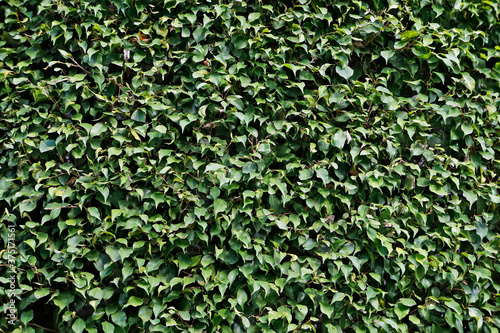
[{"x": 231, "y": 166}]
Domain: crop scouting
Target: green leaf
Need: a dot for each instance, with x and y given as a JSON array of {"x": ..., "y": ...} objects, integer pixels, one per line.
[
  {"x": 323, "y": 175},
  {"x": 32, "y": 52},
  {"x": 253, "y": 16},
  {"x": 107, "y": 327},
  {"x": 241, "y": 297},
  {"x": 224, "y": 313},
  {"x": 134, "y": 301},
  {"x": 113, "y": 252},
  {"x": 219, "y": 206},
  {"x": 476, "y": 314},
  {"x": 185, "y": 315},
  {"x": 119, "y": 318},
  {"x": 346, "y": 72},
  {"x": 79, "y": 325},
  {"x": 47, "y": 145},
  {"x": 240, "y": 42},
  {"x": 408, "y": 302},
  {"x": 438, "y": 9},
  {"x": 244, "y": 320},
  {"x": 280, "y": 224},
  {"x": 96, "y": 293},
  {"x": 26, "y": 316},
  {"x": 401, "y": 310},
  {"x": 337, "y": 297},
  {"x": 158, "y": 198},
  {"x": 19, "y": 80},
  {"x": 145, "y": 313},
  {"x": 302, "y": 312},
  {"x": 114, "y": 151},
  {"x": 64, "y": 53},
  {"x": 400, "y": 44},
  {"x": 339, "y": 139},
  {"x": 467, "y": 129},
  {"x": 495, "y": 198},
  {"x": 409, "y": 34},
  {"x": 327, "y": 309},
  {"x": 387, "y": 55},
  {"x": 454, "y": 306},
  {"x": 98, "y": 129},
  {"x": 104, "y": 192},
  {"x": 26, "y": 206},
  {"x": 471, "y": 197},
  {"x": 139, "y": 116},
  {"x": 184, "y": 261},
  {"x": 414, "y": 320},
  {"x": 439, "y": 190},
  {"x": 199, "y": 34},
  {"x": 470, "y": 83},
  {"x": 42, "y": 292},
  {"x": 214, "y": 167},
  {"x": 94, "y": 212},
  {"x": 237, "y": 102}
]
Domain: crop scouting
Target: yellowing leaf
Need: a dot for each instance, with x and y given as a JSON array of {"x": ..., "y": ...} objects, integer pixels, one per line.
[
  {"x": 134, "y": 133},
  {"x": 144, "y": 38}
]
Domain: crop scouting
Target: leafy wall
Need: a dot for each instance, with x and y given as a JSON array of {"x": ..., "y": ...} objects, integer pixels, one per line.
[{"x": 231, "y": 166}]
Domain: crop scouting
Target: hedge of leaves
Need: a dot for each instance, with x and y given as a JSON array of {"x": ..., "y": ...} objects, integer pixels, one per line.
[{"x": 231, "y": 166}]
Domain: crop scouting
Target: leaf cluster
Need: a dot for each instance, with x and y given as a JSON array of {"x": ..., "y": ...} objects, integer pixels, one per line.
[{"x": 249, "y": 166}]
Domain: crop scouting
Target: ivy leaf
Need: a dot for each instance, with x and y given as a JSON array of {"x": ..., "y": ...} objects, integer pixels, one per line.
[
  {"x": 339, "y": 139},
  {"x": 119, "y": 318},
  {"x": 387, "y": 55},
  {"x": 134, "y": 301},
  {"x": 220, "y": 205},
  {"x": 240, "y": 41},
  {"x": 470, "y": 83},
  {"x": 241, "y": 297},
  {"x": 79, "y": 325},
  {"x": 214, "y": 167},
  {"x": 107, "y": 327},
  {"x": 323, "y": 175},
  {"x": 98, "y": 129},
  {"x": 302, "y": 311},
  {"x": 47, "y": 145},
  {"x": 401, "y": 310},
  {"x": 407, "y": 302},
  {"x": 184, "y": 261},
  {"x": 139, "y": 116},
  {"x": 346, "y": 72},
  {"x": 237, "y": 102},
  {"x": 477, "y": 315},
  {"x": 409, "y": 34},
  {"x": 439, "y": 190},
  {"x": 337, "y": 297},
  {"x": 471, "y": 197},
  {"x": 42, "y": 292},
  {"x": 327, "y": 309},
  {"x": 94, "y": 212},
  {"x": 199, "y": 34}
]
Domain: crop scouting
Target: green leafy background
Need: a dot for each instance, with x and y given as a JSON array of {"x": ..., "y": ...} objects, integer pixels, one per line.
[{"x": 232, "y": 166}]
